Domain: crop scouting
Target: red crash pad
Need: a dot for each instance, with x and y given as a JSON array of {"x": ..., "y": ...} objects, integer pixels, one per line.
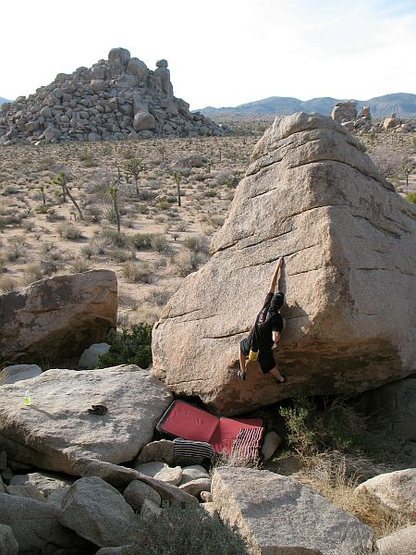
[{"x": 224, "y": 434}]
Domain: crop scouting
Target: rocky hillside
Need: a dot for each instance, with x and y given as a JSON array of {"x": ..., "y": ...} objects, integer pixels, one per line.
[
  {"x": 400, "y": 103},
  {"x": 117, "y": 98}
]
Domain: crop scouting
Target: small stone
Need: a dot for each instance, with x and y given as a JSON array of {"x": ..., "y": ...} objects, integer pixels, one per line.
[
  {"x": 161, "y": 471},
  {"x": 270, "y": 443},
  {"x": 206, "y": 496},
  {"x": 194, "y": 487},
  {"x": 137, "y": 492},
  {"x": 193, "y": 472}
]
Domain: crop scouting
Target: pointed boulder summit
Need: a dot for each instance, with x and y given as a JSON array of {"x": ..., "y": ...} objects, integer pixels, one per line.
[{"x": 313, "y": 196}]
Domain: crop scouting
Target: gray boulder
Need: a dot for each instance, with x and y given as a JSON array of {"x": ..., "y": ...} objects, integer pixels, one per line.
[
  {"x": 162, "y": 450},
  {"x": 17, "y": 372},
  {"x": 91, "y": 356},
  {"x": 44, "y": 484},
  {"x": 313, "y": 196},
  {"x": 8, "y": 543},
  {"x": 143, "y": 121},
  {"x": 161, "y": 471},
  {"x": 57, "y": 430},
  {"x": 98, "y": 512},
  {"x": 394, "y": 492},
  {"x": 60, "y": 315},
  {"x": 36, "y": 528},
  {"x": 276, "y": 514}
]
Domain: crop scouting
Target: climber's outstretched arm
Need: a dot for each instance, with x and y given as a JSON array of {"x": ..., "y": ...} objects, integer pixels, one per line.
[{"x": 276, "y": 275}]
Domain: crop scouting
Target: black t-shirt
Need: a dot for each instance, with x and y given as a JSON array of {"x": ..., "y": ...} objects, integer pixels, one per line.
[{"x": 261, "y": 336}]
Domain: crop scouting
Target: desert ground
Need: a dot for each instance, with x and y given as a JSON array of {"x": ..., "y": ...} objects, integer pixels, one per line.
[{"x": 44, "y": 233}]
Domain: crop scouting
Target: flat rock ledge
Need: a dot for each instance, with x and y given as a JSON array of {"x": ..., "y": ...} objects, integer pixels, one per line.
[
  {"x": 276, "y": 514},
  {"x": 56, "y": 432}
]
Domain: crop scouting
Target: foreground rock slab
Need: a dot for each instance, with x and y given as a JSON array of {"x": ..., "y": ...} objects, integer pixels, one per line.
[
  {"x": 313, "y": 196},
  {"x": 56, "y": 432},
  {"x": 276, "y": 514},
  {"x": 57, "y": 317}
]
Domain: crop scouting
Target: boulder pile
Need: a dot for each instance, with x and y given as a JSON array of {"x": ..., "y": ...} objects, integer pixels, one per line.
[
  {"x": 117, "y": 98},
  {"x": 346, "y": 113},
  {"x": 313, "y": 196}
]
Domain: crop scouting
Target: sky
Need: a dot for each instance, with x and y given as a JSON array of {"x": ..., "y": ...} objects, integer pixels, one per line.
[{"x": 220, "y": 52}]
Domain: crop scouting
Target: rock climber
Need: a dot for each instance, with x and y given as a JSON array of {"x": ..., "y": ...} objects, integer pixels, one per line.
[{"x": 265, "y": 333}]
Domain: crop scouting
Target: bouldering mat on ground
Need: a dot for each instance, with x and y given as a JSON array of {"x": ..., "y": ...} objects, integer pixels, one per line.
[{"x": 184, "y": 420}]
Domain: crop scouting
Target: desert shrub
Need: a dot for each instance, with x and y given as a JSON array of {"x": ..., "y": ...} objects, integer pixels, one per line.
[
  {"x": 80, "y": 265},
  {"x": 93, "y": 214},
  {"x": 118, "y": 255},
  {"x": 69, "y": 231},
  {"x": 136, "y": 272},
  {"x": 160, "y": 244},
  {"x": 53, "y": 216},
  {"x": 8, "y": 284},
  {"x": 15, "y": 252},
  {"x": 87, "y": 252},
  {"x": 159, "y": 296},
  {"x": 31, "y": 273},
  {"x": 210, "y": 193},
  {"x": 189, "y": 261},
  {"x": 299, "y": 419},
  {"x": 113, "y": 237},
  {"x": 336, "y": 426},
  {"x": 129, "y": 347},
  {"x": 197, "y": 243},
  {"x": 42, "y": 209},
  {"x": 142, "y": 241},
  {"x": 50, "y": 266},
  {"x": 186, "y": 529},
  {"x": 411, "y": 197}
]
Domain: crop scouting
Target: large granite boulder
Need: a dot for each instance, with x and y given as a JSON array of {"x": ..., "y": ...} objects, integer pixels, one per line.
[
  {"x": 276, "y": 514},
  {"x": 313, "y": 196},
  {"x": 58, "y": 317},
  {"x": 56, "y": 431}
]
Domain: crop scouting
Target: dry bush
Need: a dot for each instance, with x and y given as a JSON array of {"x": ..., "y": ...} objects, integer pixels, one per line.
[
  {"x": 32, "y": 272},
  {"x": 137, "y": 272},
  {"x": 69, "y": 231},
  {"x": 335, "y": 476},
  {"x": 8, "y": 284},
  {"x": 79, "y": 265}
]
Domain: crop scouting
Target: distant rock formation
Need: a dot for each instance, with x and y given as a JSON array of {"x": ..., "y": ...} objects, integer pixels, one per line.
[
  {"x": 313, "y": 196},
  {"x": 117, "y": 98}
]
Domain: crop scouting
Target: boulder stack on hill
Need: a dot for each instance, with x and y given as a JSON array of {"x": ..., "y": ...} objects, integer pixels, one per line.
[
  {"x": 117, "y": 98},
  {"x": 313, "y": 196}
]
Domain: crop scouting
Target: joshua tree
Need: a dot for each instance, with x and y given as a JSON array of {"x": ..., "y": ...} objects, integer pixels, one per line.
[
  {"x": 113, "y": 191},
  {"x": 134, "y": 168},
  {"x": 178, "y": 178},
  {"x": 61, "y": 179}
]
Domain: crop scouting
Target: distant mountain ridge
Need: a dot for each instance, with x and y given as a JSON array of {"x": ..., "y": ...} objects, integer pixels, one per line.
[
  {"x": 403, "y": 104},
  {"x": 3, "y": 100}
]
